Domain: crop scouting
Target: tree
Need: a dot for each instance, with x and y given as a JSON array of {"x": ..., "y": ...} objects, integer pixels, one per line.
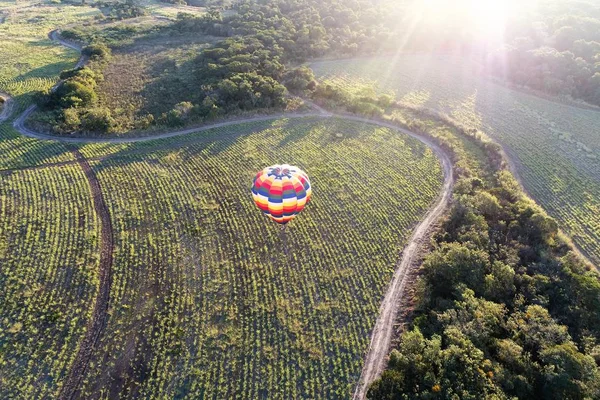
[
  {"x": 453, "y": 264},
  {"x": 569, "y": 374}
]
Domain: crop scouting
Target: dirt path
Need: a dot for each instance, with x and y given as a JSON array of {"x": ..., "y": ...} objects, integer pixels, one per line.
[
  {"x": 19, "y": 125},
  {"x": 54, "y": 35},
  {"x": 381, "y": 338},
  {"x": 375, "y": 359},
  {"x": 100, "y": 312}
]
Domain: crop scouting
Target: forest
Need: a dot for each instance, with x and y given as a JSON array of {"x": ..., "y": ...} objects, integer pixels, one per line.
[{"x": 557, "y": 53}]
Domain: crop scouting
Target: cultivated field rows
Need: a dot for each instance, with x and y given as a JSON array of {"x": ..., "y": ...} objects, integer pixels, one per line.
[{"x": 200, "y": 277}]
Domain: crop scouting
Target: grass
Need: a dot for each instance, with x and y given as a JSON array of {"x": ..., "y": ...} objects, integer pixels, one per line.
[
  {"x": 48, "y": 229},
  {"x": 208, "y": 297},
  {"x": 159, "y": 8},
  {"x": 555, "y": 147},
  {"x": 30, "y": 60}
]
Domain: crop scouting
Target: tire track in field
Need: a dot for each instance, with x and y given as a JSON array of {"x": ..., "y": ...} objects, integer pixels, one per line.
[{"x": 100, "y": 312}]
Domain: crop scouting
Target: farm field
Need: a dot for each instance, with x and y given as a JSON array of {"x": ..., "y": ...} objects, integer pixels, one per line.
[
  {"x": 48, "y": 280},
  {"x": 556, "y": 148},
  {"x": 138, "y": 266},
  {"x": 209, "y": 298},
  {"x": 49, "y": 233}
]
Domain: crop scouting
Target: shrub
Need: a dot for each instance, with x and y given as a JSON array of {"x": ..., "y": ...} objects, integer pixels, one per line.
[
  {"x": 97, "y": 119},
  {"x": 75, "y": 94},
  {"x": 71, "y": 120},
  {"x": 98, "y": 50},
  {"x": 300, "y": 80}
]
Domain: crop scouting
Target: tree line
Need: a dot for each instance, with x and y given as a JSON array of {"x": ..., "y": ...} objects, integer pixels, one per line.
[
  {"x": 249, "y": 68},
  {"x": 555, "y": 52}
]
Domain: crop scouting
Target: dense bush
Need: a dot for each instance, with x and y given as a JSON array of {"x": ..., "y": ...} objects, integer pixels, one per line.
[
  {"x": 178, "y": 115},
  {"x": 73, "y": 106},
  {"x": 363, "y": 101},
  {"x": 300, "y": 80},
  {"x": 97, "y": 50},
  {"x": 118, "y": 11}
]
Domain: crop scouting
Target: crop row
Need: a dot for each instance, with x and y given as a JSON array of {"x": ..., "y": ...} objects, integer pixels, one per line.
[{"x": 19, "y": 151}]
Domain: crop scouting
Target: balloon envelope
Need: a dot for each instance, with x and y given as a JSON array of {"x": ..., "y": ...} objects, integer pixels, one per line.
[{"x": 281, "y": 192}]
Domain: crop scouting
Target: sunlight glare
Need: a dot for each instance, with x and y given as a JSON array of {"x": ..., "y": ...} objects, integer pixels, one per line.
[
  {"x": 489, "y": 16},
  {"x": 486, "y": 18}
]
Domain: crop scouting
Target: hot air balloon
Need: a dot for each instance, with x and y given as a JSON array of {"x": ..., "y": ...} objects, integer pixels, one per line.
[{"x": 281, "y": 192}]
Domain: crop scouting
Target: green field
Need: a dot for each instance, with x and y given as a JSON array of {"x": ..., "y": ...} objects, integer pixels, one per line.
[
  {"x": 30, "y": 60},
  {"x": 556, "y": 147},
  {"x": 208, "y": 296},
  {"x": 204, "y": 287},
  {"x": 49, "y": 247},
  {"x": 48, "y": 280}
]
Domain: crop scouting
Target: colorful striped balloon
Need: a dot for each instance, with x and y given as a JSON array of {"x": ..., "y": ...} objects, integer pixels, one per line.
[{"x": 281, "y": 192}]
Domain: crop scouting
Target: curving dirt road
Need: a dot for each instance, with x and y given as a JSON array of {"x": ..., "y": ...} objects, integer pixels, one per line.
[
  {"x": 381, "y": 338},
  {"x": 375, "y": 359}
]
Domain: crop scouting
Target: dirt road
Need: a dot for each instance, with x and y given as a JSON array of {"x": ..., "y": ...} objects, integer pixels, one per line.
[{"x": 381, "y": 338}]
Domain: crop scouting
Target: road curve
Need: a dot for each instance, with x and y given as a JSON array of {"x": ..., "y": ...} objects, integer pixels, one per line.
[
  {"x": 381, "y": 338},
  {"x": 54, "y": 35},
  {"x": 375, "y": 359}
]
